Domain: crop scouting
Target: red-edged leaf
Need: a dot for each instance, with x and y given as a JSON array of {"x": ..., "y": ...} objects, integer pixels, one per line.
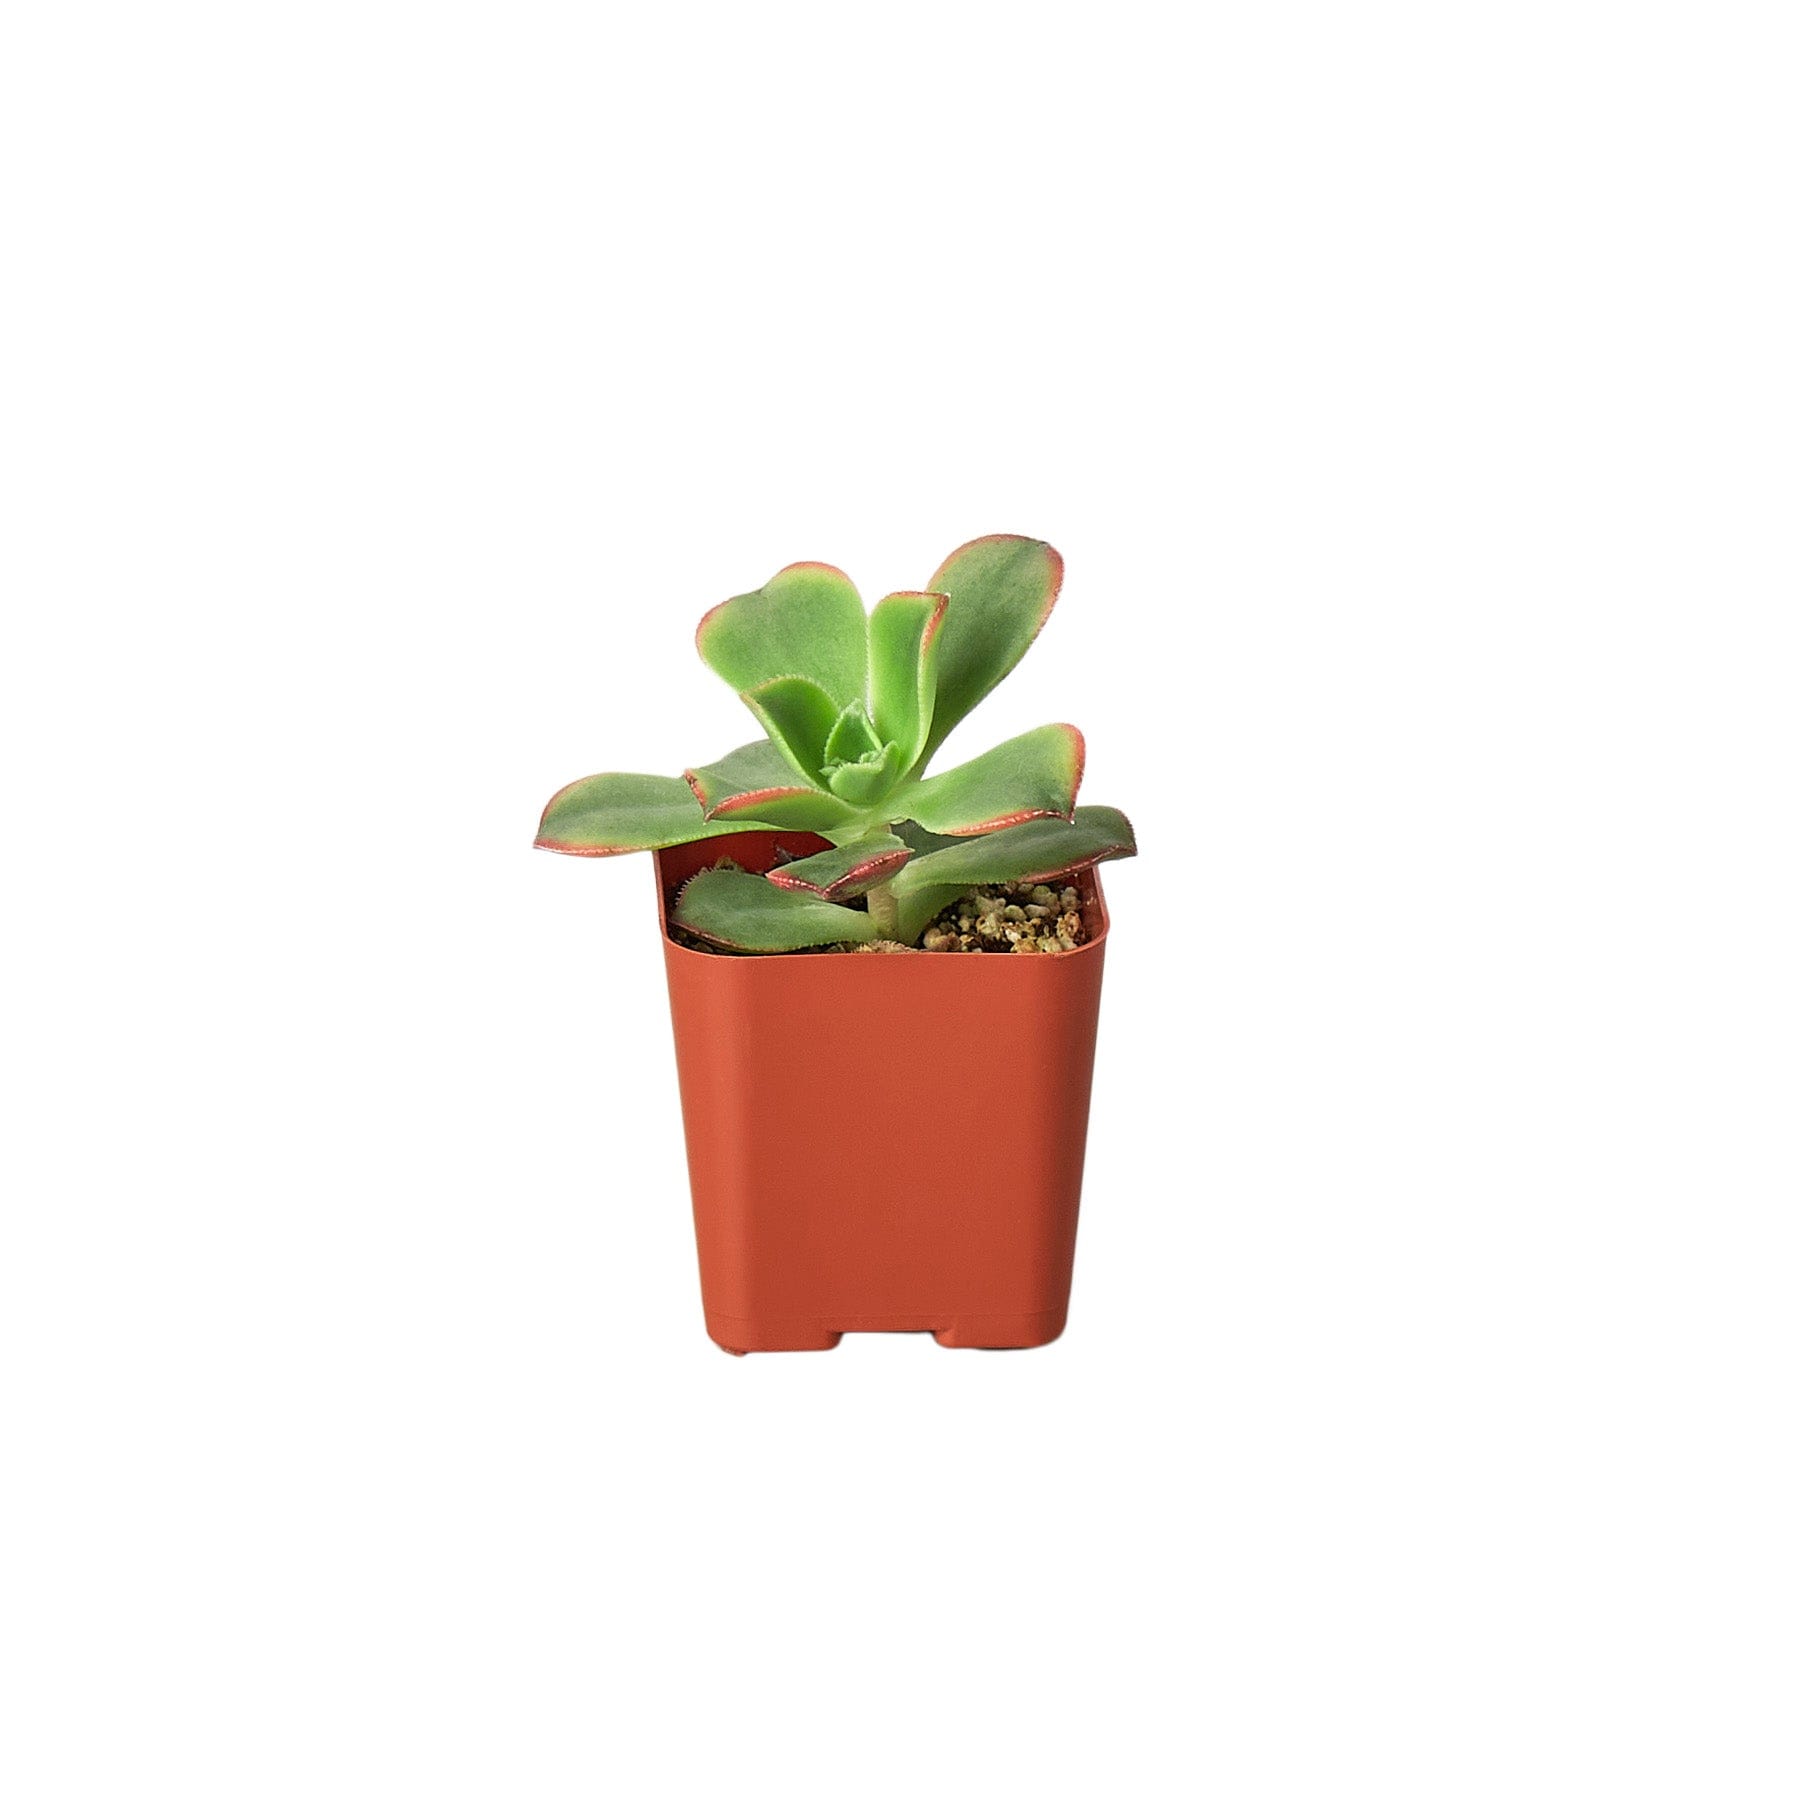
[
  {"x": 755, "y": 782},
  {"x": 847, "y": 870},
  {"x": 747, "y": 912},
  {"x": 610, "y": 815},
  {"x": 1001, "y": 591},
  {"x": 1033, "y": 776},
  {"x": 807, "y": 620},
  {"x": 1039, "y": 850}
]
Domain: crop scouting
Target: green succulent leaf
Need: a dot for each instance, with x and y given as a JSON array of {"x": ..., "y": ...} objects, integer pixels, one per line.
[
  {"x": 1028, "y": 777},
  {"x": 757, "y": 764},
  {"x": 1038, "y": 850},
  {"x": 920, "y": 841},
  {"x": 863, "y": 784},
  {"x": 1034, "y": 851},
  {"x": 847, "y": 870},
  {"x": 852, "y": 736},
  {"x": 807, "y": 620},
  {"x": 1001, "y": 591},
  {"x": 608, "y": 815},
  {"x": 798, "y": 715},
  {"x": 790, "y": 809},
  {"x": 904, "y": 633},
  {"x": 747, "y": 912},
  {"x": 754, "y": 784}
]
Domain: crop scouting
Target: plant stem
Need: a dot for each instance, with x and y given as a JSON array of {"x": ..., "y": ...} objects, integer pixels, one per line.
[{"x": 884, "y": 909}]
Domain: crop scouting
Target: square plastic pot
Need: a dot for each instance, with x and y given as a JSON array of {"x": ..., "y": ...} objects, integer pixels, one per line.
[{"x": 881, "y": 1142}]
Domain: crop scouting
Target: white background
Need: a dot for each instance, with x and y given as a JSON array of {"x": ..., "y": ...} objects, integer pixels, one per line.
[{"x": 1412, "y": 391}]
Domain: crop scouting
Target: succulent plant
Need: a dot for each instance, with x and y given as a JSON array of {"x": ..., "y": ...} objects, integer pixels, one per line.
[{"x": 853, "y": 705}]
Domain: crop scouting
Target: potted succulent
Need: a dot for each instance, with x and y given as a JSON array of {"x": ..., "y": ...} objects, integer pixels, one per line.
[{"x": 852, "y": 942}]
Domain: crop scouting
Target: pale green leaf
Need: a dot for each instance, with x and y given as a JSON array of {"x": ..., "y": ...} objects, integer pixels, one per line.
[
  {"x": 607, "y": 815},
  {"x": 1038, "y": 850},
  {"x": 1001, "y": 591},
  {"x": 746, "y": 912},
  {"x": 846, "y": 870},
  {"x": 798, "y": 715},
  {"x": 756, "y": 782},
  {"x": 905, "y": 631},
  {"x": 1027, "y": 777},
  {"x": 808, "y": 620},
  {"x": 864, "y": 784},
  {"x": 852, "y": 737}
]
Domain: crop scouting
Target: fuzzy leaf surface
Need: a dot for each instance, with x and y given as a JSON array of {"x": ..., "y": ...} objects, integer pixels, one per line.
[
  {"x": 755, "y": 784},
  {"x": 1001, "y": 591},
  {"x": 807, "y": 620},
  {"x": 1035, "y": 851},
  {"x": 1031, "y": 776},
  {"x": 753, "y": 765},
  {"x": 862, "y": 784},
  {"x": 798, "y": 715},
  {"x": 904, "y": 633},
  {"x": 608, "y": 815},
  {"x": 852, "y": 736},
  {"x": 847, "y": 870},
  {"x": 746, "y": 912}
]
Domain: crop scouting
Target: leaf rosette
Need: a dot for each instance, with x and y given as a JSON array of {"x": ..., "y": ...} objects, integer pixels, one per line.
[{"x": 853, "y": 704}]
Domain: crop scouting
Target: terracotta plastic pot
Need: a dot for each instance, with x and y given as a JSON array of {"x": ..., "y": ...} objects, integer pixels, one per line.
[{"x": 881, "y": 1143}]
